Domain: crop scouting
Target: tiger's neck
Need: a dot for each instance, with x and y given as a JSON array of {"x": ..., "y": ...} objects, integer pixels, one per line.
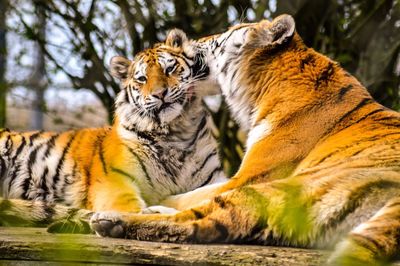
[
  {"x": 224, "y": 59},
  {"x": 285, "y": 109},
  {"x": 183, "y": 129}
]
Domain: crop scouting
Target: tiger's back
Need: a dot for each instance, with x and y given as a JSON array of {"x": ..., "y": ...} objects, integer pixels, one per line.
[{"x": 43, "y": 165}]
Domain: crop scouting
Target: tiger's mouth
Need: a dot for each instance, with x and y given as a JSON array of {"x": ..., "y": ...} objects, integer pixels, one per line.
[{"x": 185, "y": 99}]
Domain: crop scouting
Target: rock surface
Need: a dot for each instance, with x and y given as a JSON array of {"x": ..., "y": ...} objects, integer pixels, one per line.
[{"x": 27, "y": 246}]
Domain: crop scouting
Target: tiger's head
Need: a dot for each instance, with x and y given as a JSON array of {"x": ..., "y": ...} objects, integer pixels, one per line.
[{"x": 157, "y": 86}]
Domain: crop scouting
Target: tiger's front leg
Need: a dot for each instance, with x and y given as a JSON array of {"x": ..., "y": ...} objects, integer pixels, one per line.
[
  {"x": 113, "y": 192},
  {"x": 106, "y": 193},
  {"x": 231, "y": 217}
]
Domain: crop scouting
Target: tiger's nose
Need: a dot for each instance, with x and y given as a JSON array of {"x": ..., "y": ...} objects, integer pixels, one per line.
[{"x": 160, "y": 94}]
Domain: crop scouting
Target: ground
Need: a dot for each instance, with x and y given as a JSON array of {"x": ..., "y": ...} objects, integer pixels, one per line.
[{"x": 33, "y": 246}]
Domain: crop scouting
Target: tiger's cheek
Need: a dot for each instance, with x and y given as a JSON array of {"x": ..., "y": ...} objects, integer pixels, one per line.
[{"x": 175, "y": 84}]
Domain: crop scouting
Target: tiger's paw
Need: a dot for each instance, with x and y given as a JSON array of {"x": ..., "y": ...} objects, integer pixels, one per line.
[
  {"x": 108, "y": 224},
  {"x": 69, "y": 226},
  {"x": 159, "y": 209}
]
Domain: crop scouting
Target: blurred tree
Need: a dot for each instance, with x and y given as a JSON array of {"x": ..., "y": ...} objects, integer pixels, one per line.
[
  {"x": 363, "y": 35},
  {"x": 3, "y": 53},
  {"x": 37, "y": 81}
]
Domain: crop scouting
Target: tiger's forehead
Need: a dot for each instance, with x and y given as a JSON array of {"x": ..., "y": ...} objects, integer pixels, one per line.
[{"x": 153, "y": 57}]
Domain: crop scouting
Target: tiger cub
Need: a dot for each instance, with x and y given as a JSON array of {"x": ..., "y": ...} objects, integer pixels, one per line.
[
  {"x": 160, "y": 144},
  {"x": 322, "y": 166}
]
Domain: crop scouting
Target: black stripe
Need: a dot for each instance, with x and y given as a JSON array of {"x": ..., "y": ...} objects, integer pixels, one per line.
[
  {"x": 361, "y": 104},
  {"x": 222, "y": 230},
  {"x": 173, "y": 67},
  {"x": 309, "y": 59},
  {"x": 184, "y": 56},
  {"x": 34, "y": 136},
  {"x": 220, "y": 202},
  {"x": 233, "y": 89},
  {"x": 69, "y": 179},
  {"x": 60, "y": 163},
  {"x": 129, "y": 96},
  {"x": 354, "y": 144},
  {"x": 43, "y": 182},
  {"x": 13, "y": 175},
  {"x": 199, "y": 128},
  {"x": 197, "y": 214},
  {"x": 216, "y": 170},
  {"x": 126, "y": 94},
  {"x": 325, "y": 75},
  {"x": 27, "y": 181},
  {"x": 8, "y": 146},
  {"x": 199, "y": 69},
  {"x": 393, "y": 204},
  {"x": 395, "y": 119},
  {"x": 2, "y": 168},
  {"x": 344, "y": 90},
  {"x": 367, "y": 242},
  {"x": 101, "y": 155},
  {"x": 13, "y": 163},
  {"x": 49, "y": 212},
  {"x": 141, "y": 134},
  {"x": 354, "y": 200},
  {"x": 141, "y": 165},
  {"x": 209, "y": 156},
  {"x": 122, "y": 172},
  {"x": 87, "y": 170},
  {"x": 20, "y": 148},
  {"x": 171, "y": 171},
  {"x": 18, "y": 151},
  {"x": 226, "y": 65},
  {"x": 378, "y": 110},
  {"x": 50, "y": 144}
]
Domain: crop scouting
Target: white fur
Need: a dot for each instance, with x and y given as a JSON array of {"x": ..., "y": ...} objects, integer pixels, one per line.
[
  {"x": 219, "y": 51},
  {"x": 258, "y": 132},
  {"x": 159, "y": 209},
  {"x": 193, "y": 198}
]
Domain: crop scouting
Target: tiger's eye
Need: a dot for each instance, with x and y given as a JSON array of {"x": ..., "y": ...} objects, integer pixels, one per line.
[
  {"x": 170, "y": 69},
  {"x": 142, "y": 79}
]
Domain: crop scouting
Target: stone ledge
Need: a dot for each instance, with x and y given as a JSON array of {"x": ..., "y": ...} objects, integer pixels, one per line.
[{"x": 29, "y": 245}]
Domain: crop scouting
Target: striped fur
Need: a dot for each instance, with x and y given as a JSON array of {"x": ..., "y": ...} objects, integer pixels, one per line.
[
  {"x": 322, "y": 166},
  {"x": 160, "y": 144}
]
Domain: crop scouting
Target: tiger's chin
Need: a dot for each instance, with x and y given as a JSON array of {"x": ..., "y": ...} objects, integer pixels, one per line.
[
  {"x": 169, "y": 112},
  {"x": 157, "y": 121}
]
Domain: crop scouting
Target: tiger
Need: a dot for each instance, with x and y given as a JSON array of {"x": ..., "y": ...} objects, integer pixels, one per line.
[
  {"x": 322, "y": 162},
  {"x": 161, "y": 143}
]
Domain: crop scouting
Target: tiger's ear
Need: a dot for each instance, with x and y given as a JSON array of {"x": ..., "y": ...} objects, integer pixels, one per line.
[
  {"x": 119, "y": 66},
  {"x": 279, "y": 31},
  {"x": 176, "y": 38}
]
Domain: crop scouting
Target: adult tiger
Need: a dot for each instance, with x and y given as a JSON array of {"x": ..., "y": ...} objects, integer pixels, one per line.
[
  {"x": 322, "y": 159},
  {"x": 159, "y": 145}
]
